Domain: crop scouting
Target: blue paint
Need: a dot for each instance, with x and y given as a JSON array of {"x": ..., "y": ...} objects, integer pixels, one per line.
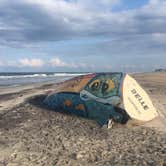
[{"x": 96, "y": 104}]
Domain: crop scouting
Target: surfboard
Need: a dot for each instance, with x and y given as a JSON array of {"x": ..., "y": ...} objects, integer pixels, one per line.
[{"x": 136, "y": 101}]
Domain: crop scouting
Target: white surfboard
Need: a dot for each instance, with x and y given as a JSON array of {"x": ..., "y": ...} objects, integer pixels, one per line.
[{"x": 136, "y": 101}]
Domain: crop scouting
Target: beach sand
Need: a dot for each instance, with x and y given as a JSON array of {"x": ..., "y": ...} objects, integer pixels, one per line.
[{"x": 32, "y": 135}]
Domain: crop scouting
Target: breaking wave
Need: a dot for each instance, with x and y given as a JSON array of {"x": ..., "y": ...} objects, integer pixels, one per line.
[
  {"x": 13, "y": 79},
  {"x": 17, "y": 76}
]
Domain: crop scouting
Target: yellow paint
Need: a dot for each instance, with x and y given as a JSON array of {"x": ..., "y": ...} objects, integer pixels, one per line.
[
  {"x": 111, "y": 85},
  {"x": 73, "y": 85},
  {"x": 80, "y": 107},
  {"x": 67, "y": 103},
  {"x": 94, "y": 82}
]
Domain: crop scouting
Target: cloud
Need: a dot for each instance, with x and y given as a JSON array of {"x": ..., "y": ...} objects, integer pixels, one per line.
[
  {"x": 4, "y": 63},
  {"x": 54, "y": 20},
  {"x": 25, "y": 62},
  {"x": 56, "y": 62},
  {"x": 37, "y": 63},
  {"x": 130, "y": 34}
]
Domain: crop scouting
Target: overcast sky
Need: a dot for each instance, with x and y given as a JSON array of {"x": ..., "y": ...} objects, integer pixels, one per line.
[{"x": 82, "y": 35}]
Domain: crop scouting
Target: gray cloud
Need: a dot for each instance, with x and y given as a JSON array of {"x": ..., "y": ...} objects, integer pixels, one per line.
[
  {"x": 131, "y": 35},
  {"x": 21, "y": 21},
  {"x": 55, "y": 20}
]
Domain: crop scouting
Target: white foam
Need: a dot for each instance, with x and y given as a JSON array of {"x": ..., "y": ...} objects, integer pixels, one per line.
[
  {"x": 22, "y": 76},
  {"x": 42, "y": 75}
]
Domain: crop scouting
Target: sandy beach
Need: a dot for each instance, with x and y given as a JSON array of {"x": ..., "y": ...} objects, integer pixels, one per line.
[{"x": 33, "y": 135}]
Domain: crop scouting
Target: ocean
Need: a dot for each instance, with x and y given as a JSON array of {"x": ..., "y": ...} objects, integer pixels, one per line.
[{"x": 16, "y": 79}]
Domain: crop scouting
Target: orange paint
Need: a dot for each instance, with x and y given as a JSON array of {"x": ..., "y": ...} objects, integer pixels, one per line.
[
  {"x": 75, "y": 84},
  {"x": 80, "y": 107},
  {"x": 67, "y": 103}
]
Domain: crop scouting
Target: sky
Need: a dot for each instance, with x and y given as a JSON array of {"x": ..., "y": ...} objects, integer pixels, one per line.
[{"x": 82, "y": 35}]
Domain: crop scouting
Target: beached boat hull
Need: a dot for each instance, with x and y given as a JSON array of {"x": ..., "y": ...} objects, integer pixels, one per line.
[{"x": 101, "y": 96}]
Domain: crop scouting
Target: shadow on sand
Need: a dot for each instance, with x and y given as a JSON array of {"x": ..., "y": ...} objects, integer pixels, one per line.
[{"x": 38, "y": 101}]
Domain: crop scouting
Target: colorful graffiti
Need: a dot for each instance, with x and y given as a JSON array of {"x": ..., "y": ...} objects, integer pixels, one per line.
[
  {"x": 104, "y": 88},
  {"x": 93, "y": 96}
]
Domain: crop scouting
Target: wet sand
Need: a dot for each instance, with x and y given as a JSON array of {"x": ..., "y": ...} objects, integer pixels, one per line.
[{"x": 30, "y": 134}]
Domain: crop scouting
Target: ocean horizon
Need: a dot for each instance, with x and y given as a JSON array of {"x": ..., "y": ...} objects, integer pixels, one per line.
[{"x": 23, "y": 78}]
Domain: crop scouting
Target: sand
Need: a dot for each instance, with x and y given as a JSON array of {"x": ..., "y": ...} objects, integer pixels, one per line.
[{"x": 32, "y": 135}]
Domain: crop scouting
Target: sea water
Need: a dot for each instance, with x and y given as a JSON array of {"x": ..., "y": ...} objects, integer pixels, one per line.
[{"x": 16, "y": 79}]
